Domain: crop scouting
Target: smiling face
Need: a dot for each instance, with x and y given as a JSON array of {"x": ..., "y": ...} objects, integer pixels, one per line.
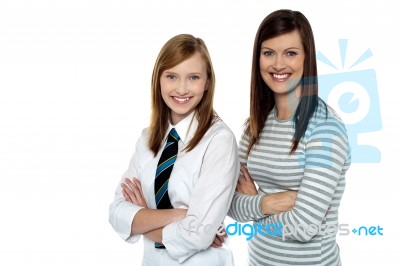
[
  {"x": 282, "y": 63},
  {"x": 183, "y": 86}
]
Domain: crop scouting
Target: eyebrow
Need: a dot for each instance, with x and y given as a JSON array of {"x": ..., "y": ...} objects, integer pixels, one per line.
[
  {"x": 192, "y": 73},
  {"x": 290, "y": 48}
]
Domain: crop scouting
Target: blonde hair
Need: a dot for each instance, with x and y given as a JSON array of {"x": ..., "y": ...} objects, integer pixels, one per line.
[{"x": 175, "y": 51}]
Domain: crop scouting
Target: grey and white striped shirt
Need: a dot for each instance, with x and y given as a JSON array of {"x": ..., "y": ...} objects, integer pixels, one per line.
[{"x": 306, "y": 235}]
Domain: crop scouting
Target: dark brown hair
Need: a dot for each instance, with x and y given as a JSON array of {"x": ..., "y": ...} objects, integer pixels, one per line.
[{"x": 262, "y": 97}]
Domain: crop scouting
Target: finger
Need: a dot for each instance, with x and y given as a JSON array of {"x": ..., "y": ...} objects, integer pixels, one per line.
[
  {"x": 240, "y": 179},
  {"x": 223, "y": 233},
  {"x": 214, "y": 245},
  {"x": 129, "y": 192},
  {"x": 138, "y": 193},
  {"x": 243, "y": 168},
  {"x": 245, "y": 173},
  {"x": 126, "y": 196},
  {"x": 137, "y": 190},
  {"x": 237, "y": 187},
  {"x": 139, "y": 185},
  {"x": 126, "y": 187},
  {"x": 137, "y": 182},
  {"x": 221, "y": 239},
  {"x": 132, "y": 185},
  {"x": 217, "y": 242},
  {"x": 241, "y": 182},
  {"x": 129, "y": 183}
]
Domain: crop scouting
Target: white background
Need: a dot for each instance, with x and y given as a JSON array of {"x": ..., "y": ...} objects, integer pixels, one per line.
[{"x": 74, "y": 96}]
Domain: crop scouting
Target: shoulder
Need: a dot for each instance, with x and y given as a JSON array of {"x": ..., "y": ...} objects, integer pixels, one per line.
[
  {"x": 326, "y": 116},
  {"x": 219, "y": 126},
  {"x": 220, "y": 130},
  {"x": 326, "y": 123},
  {"x": 141, "y": 143},
  {"x": 144, "y": 134}
]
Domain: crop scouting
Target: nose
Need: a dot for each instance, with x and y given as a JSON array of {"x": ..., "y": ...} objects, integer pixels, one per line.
[
  {"x": 279, "y": 63},
  {"x": 181, "y": 87}
]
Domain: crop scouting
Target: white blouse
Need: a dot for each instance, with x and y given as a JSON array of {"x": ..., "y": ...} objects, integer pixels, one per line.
[{"x": 202, "y": 181}]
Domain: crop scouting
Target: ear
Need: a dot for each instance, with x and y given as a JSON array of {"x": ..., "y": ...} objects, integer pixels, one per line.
[{"x": 206, "y": 86}]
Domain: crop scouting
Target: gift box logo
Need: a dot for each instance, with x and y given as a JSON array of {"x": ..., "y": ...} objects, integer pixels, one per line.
[{"x": 354, "y": 96}]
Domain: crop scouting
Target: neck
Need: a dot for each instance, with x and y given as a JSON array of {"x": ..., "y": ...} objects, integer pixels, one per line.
[{"x": 286, "y": 105}]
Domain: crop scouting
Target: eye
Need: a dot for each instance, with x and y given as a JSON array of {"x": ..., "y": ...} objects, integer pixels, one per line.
[
  {"x": 268, "y": 53},
  {"x": 194, "y": 77},
  {"x": 170, "y": 76},
  {"x": 291, "y": 53}
]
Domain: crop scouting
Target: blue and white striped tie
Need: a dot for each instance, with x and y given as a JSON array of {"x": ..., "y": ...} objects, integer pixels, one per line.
[{"x": 163, "y": 172}]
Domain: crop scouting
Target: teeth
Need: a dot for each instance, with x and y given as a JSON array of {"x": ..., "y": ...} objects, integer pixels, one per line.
[
  {"x": 281, "y": 76},
  {"x": 181, "y": 99}
]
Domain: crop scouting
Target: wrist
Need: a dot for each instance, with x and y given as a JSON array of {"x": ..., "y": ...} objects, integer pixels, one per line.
[
  {"x": 179, "y": 214},
  {"x": 263, "y": 203}
]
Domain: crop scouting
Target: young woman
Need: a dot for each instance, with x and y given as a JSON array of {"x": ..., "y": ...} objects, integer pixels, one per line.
[
  {"x": 204, "y": 172},
  {"x": 293, "y": 142}
]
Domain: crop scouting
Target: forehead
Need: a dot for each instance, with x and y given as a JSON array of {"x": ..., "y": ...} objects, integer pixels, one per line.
[
  {"x": 194, "y": 63},
  {"x": 288, "y": 40}
]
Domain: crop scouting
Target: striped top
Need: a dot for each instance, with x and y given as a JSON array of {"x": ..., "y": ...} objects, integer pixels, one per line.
[{"x": 306, "y": 235}]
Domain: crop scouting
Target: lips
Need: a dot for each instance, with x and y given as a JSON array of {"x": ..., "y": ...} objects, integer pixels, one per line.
[
  {"x": 280, "y": 77},
  {"x": 181, "y": 100}
]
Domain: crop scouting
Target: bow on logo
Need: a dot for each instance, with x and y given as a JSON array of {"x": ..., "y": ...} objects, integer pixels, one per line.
[{"x": 354, "y": 96}]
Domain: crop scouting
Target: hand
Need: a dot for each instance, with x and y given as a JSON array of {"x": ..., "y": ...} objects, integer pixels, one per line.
[
  {"x": 278, "y": 202},
  {"x": 132, "y": 191},
  {"x": 219, "y": 238},
  {"x": 245, "y": 183}
]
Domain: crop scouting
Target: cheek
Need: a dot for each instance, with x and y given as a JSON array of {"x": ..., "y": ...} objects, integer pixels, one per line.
[
  {"x": 199, "y": 88},
  {"x": 164, "y": 92},
  {"x": 165, "y": 87},
  {"x": 206, "y": 86},
  {"x": 300, "y": 70},
  {"x": 263, "y": 63},
  {"x": 164, "y": 97},
  {"x": 264, "y": 70},
  {"x": 300, "y": 66}
]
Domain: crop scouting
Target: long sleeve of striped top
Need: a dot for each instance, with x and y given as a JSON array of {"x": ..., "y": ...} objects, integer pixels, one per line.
[{"x": 316, "y": 170}]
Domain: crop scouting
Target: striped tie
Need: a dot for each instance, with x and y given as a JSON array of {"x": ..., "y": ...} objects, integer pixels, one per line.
[{"x": 163, "y": 172}]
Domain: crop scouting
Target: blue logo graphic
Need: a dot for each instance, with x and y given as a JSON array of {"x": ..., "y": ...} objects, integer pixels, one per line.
[
  {"x": 288, "y": 231},
  {"x": 354, "y": 96},
  {"x": 368, "y": 231}
]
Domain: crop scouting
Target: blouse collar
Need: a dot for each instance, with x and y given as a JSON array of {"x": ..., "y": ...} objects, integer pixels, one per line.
[{"x": 186, "y": 128}]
